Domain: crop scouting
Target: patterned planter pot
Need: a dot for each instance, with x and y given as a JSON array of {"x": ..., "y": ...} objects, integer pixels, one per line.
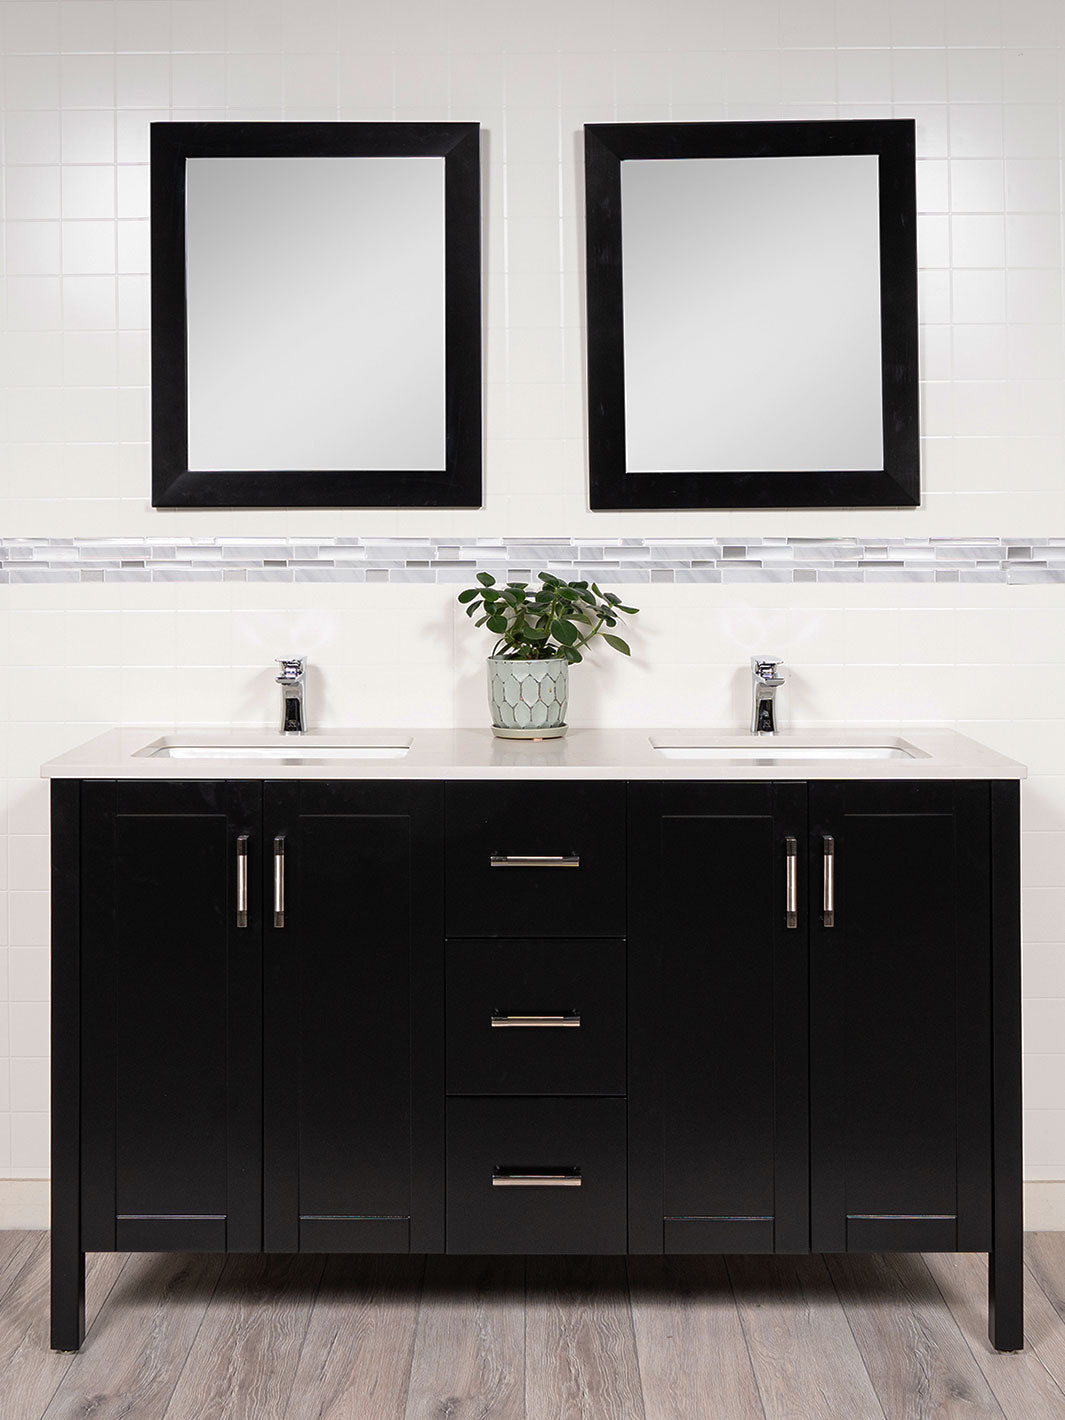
[{"x": 528, "y": 698}]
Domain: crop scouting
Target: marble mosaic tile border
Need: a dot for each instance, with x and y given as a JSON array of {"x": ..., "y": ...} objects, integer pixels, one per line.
[{"x": 455, "y": 560}]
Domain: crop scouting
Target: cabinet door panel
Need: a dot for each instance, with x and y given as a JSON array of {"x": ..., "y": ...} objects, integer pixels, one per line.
[
  {"x": 342, "y": 1019},
  {"x": 171, "y": 1044},
  {"x": 717, "y": 1020},
  {"x": 899, "y": 1126}
]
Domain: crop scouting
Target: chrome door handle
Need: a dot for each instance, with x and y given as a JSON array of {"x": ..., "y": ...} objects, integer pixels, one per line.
[
  {"x": 571, "y": 1022},
  {"x": 828, "y": 880},
  {"x": 791, "y": 882},
  {"x": 279, "y": 880},
  {"x": 242, "y": 880},
  {"x": 534, "y": 860},
  {"x": 520, "y": 1178}
]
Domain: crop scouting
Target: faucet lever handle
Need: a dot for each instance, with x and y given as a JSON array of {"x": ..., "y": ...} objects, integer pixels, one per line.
[
  {"x": 766, "y": 668},
  {"x": 292, "y": 669}
]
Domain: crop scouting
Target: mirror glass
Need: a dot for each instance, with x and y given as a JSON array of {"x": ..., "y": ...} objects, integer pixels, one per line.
[
  {"x": 315, "y": 313},
  {"x": 752, "y": 285}
]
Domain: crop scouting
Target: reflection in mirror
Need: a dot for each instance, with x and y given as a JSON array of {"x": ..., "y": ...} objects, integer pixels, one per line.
[
  {"x": 752, "y": 314},
  {"x": 315, "y": 290},
  {"x": 316, "y": 315}
]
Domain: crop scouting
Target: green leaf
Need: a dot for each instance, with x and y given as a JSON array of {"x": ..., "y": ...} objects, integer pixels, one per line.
[
  {"x": 572, "y": 655},
  {"x": 611, "y": 598},
  {"x": 491, "y": 594},
  {"x": 617, "y": 643},
  {"x": 535, "y": 633},
  {"x": 480, "y": 621},
  {"x": 548, "y": 578},
  {"x": 486, "y": 579},
  {"x": 629, "y": 610},
  {"x": 510, "y": 598},
  {"x": 517, "y": 586},
  {"x": 564, "y": 632},
  {"x": 469, "y": 595},
  {"x": 498, "y": 624},
  {"x": 473, "y": 609}
]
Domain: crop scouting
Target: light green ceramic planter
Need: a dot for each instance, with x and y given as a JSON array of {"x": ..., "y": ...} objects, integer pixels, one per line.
[{"x": 528, "y": 698}]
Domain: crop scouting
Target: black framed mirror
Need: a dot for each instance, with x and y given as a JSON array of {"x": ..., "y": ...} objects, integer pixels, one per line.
[
  {"x": 316, "y": 315},
  {"x": 752, "y": 314}
]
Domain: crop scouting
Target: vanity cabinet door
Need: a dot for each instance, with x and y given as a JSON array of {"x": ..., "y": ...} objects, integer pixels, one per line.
[
  {"x": 900, "y": 1017},
  {"x": 171, "y": 1048},
  {"x": 718, "y": 1153},
  {"x": 353, "y": 1048}
]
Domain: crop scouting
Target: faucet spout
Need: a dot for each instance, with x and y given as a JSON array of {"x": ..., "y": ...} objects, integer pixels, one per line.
[
  {"x": 767, "y": 680},
  {"x": 292, "y": 683}
]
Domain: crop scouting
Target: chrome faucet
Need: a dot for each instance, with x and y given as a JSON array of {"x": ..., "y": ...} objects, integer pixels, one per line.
[
  {"x": 291, "y": 681},
  {"x": 767, "y": 681}
]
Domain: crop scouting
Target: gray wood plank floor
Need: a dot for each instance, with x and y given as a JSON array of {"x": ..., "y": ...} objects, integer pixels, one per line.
[{"x": 175, "y": 1337}]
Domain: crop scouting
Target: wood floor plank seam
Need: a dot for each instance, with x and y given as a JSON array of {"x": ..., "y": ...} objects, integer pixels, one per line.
[
  {"x": 857, "y": 1344},
  {"x": 303, "y": 1340},
  {"x": 632, "y": 1328},
  {"x": 181, "y": 1368},
  {"x": 414, "y": 1333},
  {"x": 18, "y": 1250},
  {"x": 525, "y": 1337},
  {"x": 1032, "y": 1280},
  {"x": 746, "y": 1339}
]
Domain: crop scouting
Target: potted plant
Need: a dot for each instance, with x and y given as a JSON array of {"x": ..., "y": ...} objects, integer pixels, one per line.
[{"x": 542, "y": 631}]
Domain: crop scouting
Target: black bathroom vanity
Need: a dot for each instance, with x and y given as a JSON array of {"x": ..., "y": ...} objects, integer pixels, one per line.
[{"x": 584, "y": 996}]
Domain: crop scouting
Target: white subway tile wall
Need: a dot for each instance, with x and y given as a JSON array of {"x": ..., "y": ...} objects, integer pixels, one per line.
[{"x": 80, "y": 82}]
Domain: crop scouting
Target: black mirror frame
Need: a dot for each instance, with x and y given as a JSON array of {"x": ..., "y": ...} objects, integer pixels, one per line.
[
  {"x": 606, "y": 145},
  {"x": 174, "y": 484}
]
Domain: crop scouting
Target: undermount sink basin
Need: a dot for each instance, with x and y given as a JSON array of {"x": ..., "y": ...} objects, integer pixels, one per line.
[
  {"x": 295, "y": 753},
  {"x": 768, "y": 753}
]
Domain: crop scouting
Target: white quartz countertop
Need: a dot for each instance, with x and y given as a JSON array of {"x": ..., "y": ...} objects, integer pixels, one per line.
[{"x": 897, "y": 753}]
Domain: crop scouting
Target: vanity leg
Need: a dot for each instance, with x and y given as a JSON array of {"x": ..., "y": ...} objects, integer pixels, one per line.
[
  {"x": 68, "y": 1259},
  {"x": 1005, "y": 1296},
  {"x": 68, "y": 1296},
  {"x": 1006, "y": 1258}
]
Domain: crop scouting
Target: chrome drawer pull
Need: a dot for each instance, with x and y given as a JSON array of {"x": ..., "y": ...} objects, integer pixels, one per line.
[
  {"x": 510, "y": 1178},
  {"x": 279, "y": 880},
  {"x": 533, "y": 860},
  {"x": 502, "y": 1022},
  {"x": 242, "y": 880},
  {"x": 828, "y": 895},
  {"x": 791, "y": 882}
]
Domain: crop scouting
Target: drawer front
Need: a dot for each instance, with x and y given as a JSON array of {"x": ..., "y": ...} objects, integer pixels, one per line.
[
  {"x": 536, "y": 1017},
  {"x": 536, "y": 1176},
  {"x": 542, "y": 860}
]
